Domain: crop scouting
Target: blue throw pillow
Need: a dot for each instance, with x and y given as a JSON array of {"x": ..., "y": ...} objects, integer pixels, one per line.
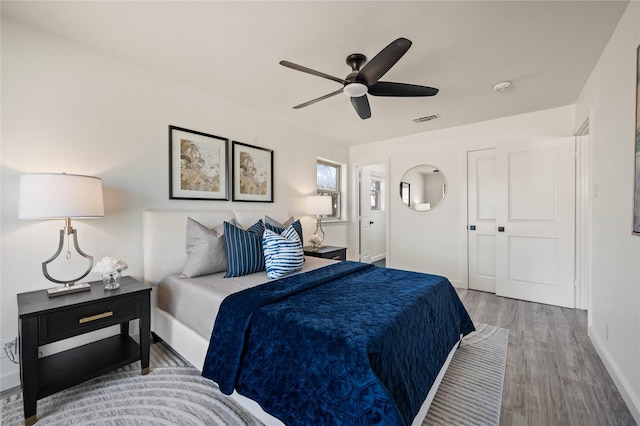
[
  {"x": 283, "y": 253},
  {"x": 278, "y": 227},
  {"x": 244, "y": 249}
]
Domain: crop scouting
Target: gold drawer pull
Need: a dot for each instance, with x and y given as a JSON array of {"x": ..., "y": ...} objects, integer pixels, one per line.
[{"x": 95, "y": 317}]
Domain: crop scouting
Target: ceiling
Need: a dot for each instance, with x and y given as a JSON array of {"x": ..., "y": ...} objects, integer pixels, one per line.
[{"x": 547, "y": 49}]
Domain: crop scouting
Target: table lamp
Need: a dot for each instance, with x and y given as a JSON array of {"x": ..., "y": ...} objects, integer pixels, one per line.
[
  {"x": 62, "y": 196},
  {"x": 319, "y": 205}
]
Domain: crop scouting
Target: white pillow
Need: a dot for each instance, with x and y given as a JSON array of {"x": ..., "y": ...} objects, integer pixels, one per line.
[
  {"x": 206, "y": 253},
  {"x": 283, "y": 253}
]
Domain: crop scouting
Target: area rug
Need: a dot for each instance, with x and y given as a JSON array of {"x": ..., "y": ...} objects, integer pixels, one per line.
[
  {"x": 174, "y": 393},
  {"x": 470, "y": 393}
]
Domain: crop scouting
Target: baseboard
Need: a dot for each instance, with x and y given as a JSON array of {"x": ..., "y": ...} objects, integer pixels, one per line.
[
  {"x": 9, "y": 371},
  {"x": 10, "y": 379},
  {"x": 621, "y": 383},
  {"x": 378, "y": 257}
]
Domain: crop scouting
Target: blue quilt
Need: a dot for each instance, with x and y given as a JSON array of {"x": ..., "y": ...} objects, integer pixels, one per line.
[{"x": 347, "y": 344}]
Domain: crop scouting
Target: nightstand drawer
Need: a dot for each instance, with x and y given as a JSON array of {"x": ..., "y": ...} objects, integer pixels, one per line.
[{"x": 77, "y": 320}]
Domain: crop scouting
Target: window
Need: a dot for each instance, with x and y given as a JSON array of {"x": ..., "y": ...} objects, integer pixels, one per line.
[
  {"x": 329, "y": 183},
  {"x": 376, "y": 201}
]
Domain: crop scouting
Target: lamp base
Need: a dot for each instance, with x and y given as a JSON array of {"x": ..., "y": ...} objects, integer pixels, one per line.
[{"x": 68, "y": 289}]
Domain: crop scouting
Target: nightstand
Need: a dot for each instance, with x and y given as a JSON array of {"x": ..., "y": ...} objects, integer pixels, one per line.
[
  {"x": 327, "y": 252},
  {"x": 44, "y": 320}
]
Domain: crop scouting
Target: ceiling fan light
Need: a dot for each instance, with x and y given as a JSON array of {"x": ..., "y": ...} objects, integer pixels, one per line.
[{"x": 355, "y": 90}]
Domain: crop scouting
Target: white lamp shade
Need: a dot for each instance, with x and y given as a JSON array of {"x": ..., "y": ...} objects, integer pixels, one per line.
[
  {"x": 319, "y": 204},
  {"x": 60, "y": 195}
]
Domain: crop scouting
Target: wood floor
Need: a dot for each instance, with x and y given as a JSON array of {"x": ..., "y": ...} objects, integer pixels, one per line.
[{"x": 554, "y": 375}]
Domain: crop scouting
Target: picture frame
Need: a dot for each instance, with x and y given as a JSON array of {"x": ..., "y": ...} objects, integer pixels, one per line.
[
  {"x": 636, "y": 186},
  {"x": 252, "y": 168},
  {"x": 198, "y": 165}
]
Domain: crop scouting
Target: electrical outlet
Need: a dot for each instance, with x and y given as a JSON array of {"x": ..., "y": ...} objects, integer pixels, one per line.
[
  {"x": 8, "y": 344},
  {"x": 10, "y": 349}
]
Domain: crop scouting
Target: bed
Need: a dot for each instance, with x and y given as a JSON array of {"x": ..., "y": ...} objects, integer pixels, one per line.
[{"x": 255, "y": 330}]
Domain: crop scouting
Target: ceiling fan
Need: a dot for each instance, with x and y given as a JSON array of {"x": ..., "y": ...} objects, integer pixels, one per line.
[{"x": 359, "y": 82}]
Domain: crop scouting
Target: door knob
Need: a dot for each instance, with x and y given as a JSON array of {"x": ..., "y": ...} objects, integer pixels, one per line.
[
  {"x": 370, "y": 222},
  {"x": 472, "y": 228},
  {"x": 500, "y": 228}
]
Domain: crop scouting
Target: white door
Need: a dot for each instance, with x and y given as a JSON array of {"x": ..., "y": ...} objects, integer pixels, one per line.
[
  {"x": 481, "y": 190},
  {"x": 535, "y": 246},
  {"x": 535, "y": 221},
  {"x": 365, "y": 215}
]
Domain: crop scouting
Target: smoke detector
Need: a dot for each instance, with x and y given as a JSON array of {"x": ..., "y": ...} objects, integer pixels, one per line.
[{"x": 503, "y": 86}]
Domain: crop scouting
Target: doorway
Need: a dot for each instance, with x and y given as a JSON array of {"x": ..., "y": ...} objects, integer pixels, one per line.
[{"x": 372, "y": 213}]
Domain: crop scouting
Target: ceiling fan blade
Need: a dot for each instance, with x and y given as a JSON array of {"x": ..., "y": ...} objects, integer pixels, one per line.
[
  {"x": 387, "y": 88},
  {"x": 313, "y": 101},
  {"x": 310, "y": 71},
  {"x": 361, "y": 106},
  {"x": 383, "y": 61}
]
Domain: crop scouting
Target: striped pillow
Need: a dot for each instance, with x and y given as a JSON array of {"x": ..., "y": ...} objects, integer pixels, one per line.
[
  {"x": 282, "y": 253},
  {"x": 244, "y": 249}
]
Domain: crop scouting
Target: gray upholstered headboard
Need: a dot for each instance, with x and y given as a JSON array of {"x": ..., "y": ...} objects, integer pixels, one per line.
[{"x": 164, "y": 241}]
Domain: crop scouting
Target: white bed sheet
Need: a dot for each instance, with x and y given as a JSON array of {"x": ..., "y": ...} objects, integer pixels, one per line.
[{"x": 195, "y": 301}]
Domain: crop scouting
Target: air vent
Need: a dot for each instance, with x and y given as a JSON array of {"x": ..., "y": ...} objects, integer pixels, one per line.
[{"x": 425, "y": 118}]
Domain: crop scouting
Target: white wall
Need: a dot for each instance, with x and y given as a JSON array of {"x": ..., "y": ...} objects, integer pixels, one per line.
[
  {"x": 66, "y": 108},
  {"x": 435, "y": 241},
  {"x": 608, "y": 100}
]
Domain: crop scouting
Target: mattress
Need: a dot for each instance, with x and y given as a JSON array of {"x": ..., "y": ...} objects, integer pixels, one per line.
[{"x": 195, "y": 301}]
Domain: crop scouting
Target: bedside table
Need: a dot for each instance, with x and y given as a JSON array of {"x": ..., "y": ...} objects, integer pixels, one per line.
[
  {"x": 327, "y": 252},
  {"x": 44, "y": 320}
]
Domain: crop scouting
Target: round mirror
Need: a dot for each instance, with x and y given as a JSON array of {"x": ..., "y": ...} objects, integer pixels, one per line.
[{"x": 423, "y": 187}]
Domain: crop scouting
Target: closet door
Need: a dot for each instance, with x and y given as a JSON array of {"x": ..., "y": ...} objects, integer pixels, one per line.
[
  {"x": 521, "y": 221},
  {"x": 535, "y": 243},
  {"x": 481, "y": 190}
]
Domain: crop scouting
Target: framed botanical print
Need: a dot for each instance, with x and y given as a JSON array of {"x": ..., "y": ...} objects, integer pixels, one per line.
[
  {"x": 252, "y": 173},
  {"x": 636, "y": 186},
  {"x": 198, "y": 165}
]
